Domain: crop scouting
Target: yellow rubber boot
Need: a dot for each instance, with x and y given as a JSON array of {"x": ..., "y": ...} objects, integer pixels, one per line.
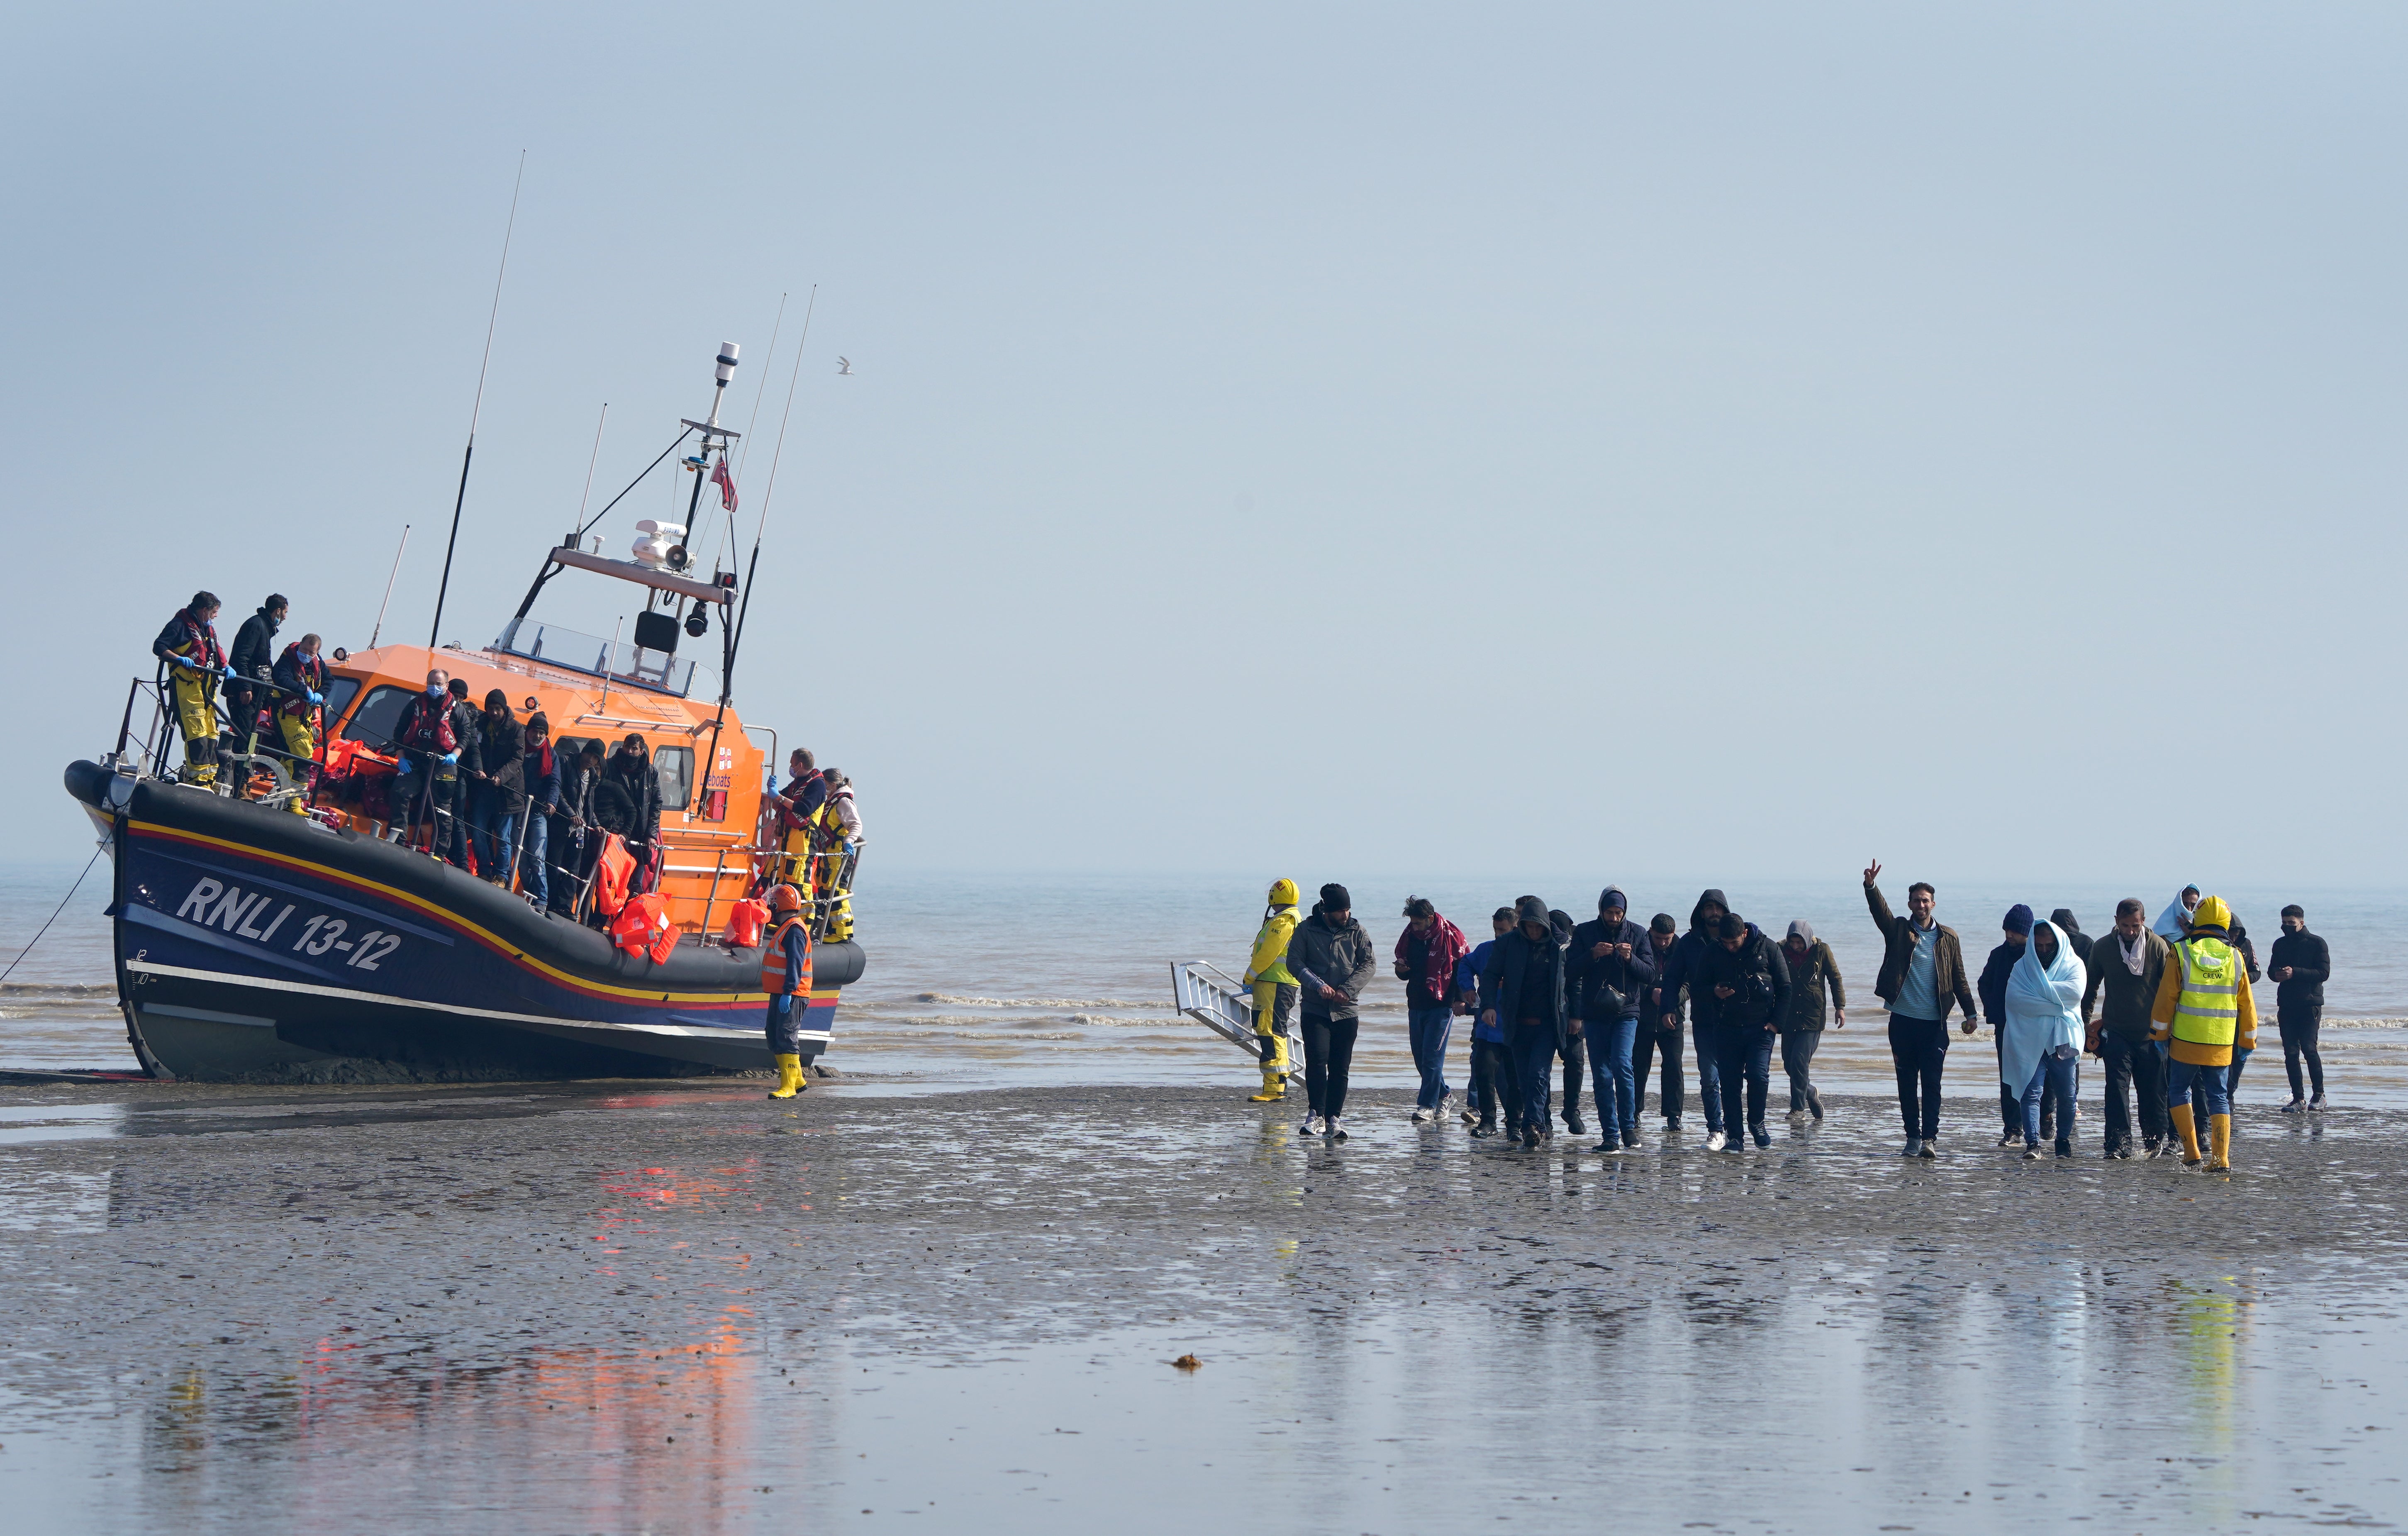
[
  {"x": 1274, "y": 1088},
  {"x": 790, "y": 1077},
  {"x": 2188, "y": 1132},
  {"x": 2219, "y": 1135}
]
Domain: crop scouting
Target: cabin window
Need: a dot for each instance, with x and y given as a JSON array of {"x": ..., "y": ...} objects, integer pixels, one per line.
[
  {"x": 673, "y": 766},
  {"x": 341, "y": 691},
  {"x": 378, "y": 715}
]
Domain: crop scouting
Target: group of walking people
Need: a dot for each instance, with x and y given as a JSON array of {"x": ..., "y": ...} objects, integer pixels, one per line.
[{"x": 2166, "y": 1009}]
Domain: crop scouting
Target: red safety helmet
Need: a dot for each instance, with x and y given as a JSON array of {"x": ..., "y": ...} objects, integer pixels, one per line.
[{"x": 786, "y": 898}]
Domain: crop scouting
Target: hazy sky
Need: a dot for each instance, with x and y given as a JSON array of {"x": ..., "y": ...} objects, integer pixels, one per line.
[{"x": 1716, "y": 441}]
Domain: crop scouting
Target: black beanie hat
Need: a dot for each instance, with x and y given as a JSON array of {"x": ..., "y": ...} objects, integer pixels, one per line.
[{"x": 1335, "y": 900}]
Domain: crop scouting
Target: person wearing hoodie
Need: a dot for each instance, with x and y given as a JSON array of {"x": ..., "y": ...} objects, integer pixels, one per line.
[
  {"x": 1659, "y": 1032},
  {"x": 2299, "y": 963},
  {"x": 1274, "y": 988},
  {"x": 1683, "y": 973},
  {"x": 1427, "y": 953},
  {"x": 2040, "y": 1037},
  {"x": 542, "y": 771},
  {"x": 1330, "y": 956},
  {"x": 2204, "y": 1011},
  {"x": 2015, "y": 930},
  {"x": 1922, "y": 974},
  {"x": 1526, "y": 1000},
  {"x": 2067, "y": 924},
  {"x": 1750, "y": 982},
  {"x": 253, "y": 659},
  {"x": 1812, "y": 969},
  {"x": 2122, "y": 986},
  {"x": 1494, "y": 1083},
  {"x": 499, "y": 799},
  {"x": 1606, "y": 975},
  {"x": 2239, "y": 936},
  {"x": 2175, "y": 920}
]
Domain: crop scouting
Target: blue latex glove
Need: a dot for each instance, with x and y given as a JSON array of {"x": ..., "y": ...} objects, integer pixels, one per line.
[
  {"x": 231, "y": 676},
  {"x": 773, "y": 788},
  {"x": 451, "y": 757},
  {"x": 316, "y": 698}
]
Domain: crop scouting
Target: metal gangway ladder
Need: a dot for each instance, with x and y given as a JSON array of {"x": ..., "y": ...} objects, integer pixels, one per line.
[{"x": 1216, "y": 999}]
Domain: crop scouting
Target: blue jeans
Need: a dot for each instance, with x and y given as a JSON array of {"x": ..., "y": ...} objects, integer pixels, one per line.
[
  {"x": 1708, "y": 1041},
  {"x": 496, "y": 834},
  {"x": 1610, "y": 1042},
  {"x": 1429, "y": 1029},
  {"x": 2180, "y": 1076},
  {"x": 534, "y": 877},
  {"x": 1534, "y": 1063},
  {"x": 2055, "y": 1076}
]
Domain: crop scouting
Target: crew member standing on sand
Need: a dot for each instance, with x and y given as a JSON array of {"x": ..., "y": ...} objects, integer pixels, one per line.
[
  {"x": 1275, "y": 989},
  {"x": 2203, "y": 1011},
  {"x": 1922, "y": 974},
  {"x": 188, "y": 647},
  {"x": 1330, "y": 956},
  {"x": 2301, "y": 963},
  {"x": 786, "y": 976}
]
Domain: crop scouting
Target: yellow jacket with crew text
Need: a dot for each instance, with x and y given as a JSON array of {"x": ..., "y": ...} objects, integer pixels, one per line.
[
  {"x": 1269, "y": 962},
  {"x": 2205, "y": 1019}
]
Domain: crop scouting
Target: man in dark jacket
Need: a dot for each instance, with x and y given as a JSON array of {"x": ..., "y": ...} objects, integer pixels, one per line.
[
  {"x": 2015, "y": 932},
  {"x": 2129, "y": 962},
  {"x": 1331, "y": 957},
  {"x": 1813, "y": 970},
  {"x": 631, "y": 768},
  {"x": 1528, "y": 1005},
  {"x": 1682, "y": 971},
  {"x": 2301, "y": 963},
  {"x": 434, "y": 740},
  {"x": 542, "y": 771},
  {"x": 2066, "y": 924},
  {"x": 1922, "y": 973},
  {"x": 1493, "y": 1083},
  {"x": 1750, "y": 982},
  {"x": 1606, "y": 976},
  {"x": 575, "y": 836},
  {"x": 253, "y": 660},
  {"x": 1659, "y": 1030}
]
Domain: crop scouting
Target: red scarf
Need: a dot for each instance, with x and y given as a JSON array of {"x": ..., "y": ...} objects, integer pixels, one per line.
[{"x": 1432, "y": 987}]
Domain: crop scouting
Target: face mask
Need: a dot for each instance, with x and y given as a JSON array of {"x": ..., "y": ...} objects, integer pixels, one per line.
[{"x": 435, "y": 690}]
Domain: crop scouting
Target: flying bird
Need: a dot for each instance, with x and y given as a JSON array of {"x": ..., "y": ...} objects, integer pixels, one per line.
[{"x": 844, "y": 365}]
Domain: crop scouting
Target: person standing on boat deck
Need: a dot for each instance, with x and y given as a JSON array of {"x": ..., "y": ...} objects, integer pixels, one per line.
[
  {"x": 2123, "y": 986},
  {"x": 610, "y": 813},
  {"x": 1685, "y": 971},
  {"x": 1274, "y": 989},
  {"x": 1492, "y": 1066},
  {"x": 1426, "y": 956},
  {"x": 574, "y": 841},
  {"x": 798, "y": 808},
  {"x": 2300, "y": 962},
  {"x": 1526, "y": 1000},
  {"x": 1330, "y": 956},
  {"x": 253, "y": 660},
  {"x": 1749, "y": 981},
  {"x": 302, "y": 675},
  {"x": 543, "y": 773},
  {"x": 2015, "y": 928},
  {"x": 464, "y": 774},
  {"x": 2203, "y": 1011},
  {"x": 1922, "y": 973},
  {"x": 786, "y": 977},
  {"x": 1608, "y": 970},
  {"x": 2040, "y": 1037},
  {"x": 1659, "y": 1030},
  {"x": 188, "y": 648},
  {"x": 836, "y": 832},
  {"x": 501, "y": 790},
  {"x": 428, "y": 740},
  {"x": 631, "y": 768},
  {"x": 1812, "y": 969}
]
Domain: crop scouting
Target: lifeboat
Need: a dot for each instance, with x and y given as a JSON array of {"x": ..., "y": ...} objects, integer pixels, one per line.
[{"x": 290, "y": 920}]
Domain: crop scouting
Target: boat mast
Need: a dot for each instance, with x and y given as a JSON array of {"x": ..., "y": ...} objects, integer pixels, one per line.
[{"x": 435, "y": 630}]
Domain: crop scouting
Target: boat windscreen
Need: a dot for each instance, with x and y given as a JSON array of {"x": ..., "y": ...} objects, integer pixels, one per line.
[
  {"x": 341, "y": 691},
  {"x": 674, "y": 768},
  {"x": 378, "y": 714}
]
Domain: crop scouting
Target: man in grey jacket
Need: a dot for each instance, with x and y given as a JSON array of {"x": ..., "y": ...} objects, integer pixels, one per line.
[{"x": 1331, "y": 958}]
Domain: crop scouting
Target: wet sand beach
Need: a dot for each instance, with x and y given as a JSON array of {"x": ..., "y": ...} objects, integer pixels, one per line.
[{"x": 631, "y": 1307}]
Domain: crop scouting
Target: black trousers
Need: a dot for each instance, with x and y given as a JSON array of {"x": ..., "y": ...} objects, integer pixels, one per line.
[
  {"x": 1655, "y": 1040},
  {"x": 2132, "y": 1067},
  {"x": 1918, "y": 1051},
  {"x": 1328, "y": 1056},
  {"x": 1575, "y": 1056},
  {"x": 1495, "y": 1083},
  {"x": 2299, "y": 1026},
  {"x": 1797, "y": 1058},
  {"x": 1743, "y": 1061},
  {"x": 785, "y": 1024}
]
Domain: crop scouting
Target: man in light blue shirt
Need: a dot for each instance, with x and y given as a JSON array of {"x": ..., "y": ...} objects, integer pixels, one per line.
[{"x": 1922, "y": 974}]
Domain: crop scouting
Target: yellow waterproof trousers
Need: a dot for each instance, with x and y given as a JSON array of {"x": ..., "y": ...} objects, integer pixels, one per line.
[
  {"x": 1275, "y": 1005},
  {"x": 302, "y": 742},
  {"x": 196, "y": 717}
]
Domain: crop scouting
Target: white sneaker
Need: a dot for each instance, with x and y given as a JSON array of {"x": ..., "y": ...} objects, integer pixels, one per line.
[
  {"x": 1713, "y": 1141},
  {"x": 1312, "y": 1125},
  {"x": 1335, "y": 1133},
  {"x": 1914, "y": 1148},
  {"x": 1423, "y": 1117},
  {"x": 2011, "y": 1138},
  {"x": 1440, "y": 1112}
]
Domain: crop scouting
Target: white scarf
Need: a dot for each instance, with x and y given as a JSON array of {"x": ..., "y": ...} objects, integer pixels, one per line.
[{"x": 2136, "y": 950}]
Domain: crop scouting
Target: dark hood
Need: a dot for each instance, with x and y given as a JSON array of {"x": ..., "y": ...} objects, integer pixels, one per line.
[
  {"x": 1696, "y": 914},
  {"x": 2063, "y": 918}
]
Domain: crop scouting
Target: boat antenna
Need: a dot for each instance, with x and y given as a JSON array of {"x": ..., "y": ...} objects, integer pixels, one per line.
[
  {"x": 387, "y": 587},
  {"x": 477, "y": 410},
  {"x": 728, "y": 536},
  {"x": 590, "y": 460}
]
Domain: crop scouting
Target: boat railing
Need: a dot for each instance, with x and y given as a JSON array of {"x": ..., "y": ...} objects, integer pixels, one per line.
[{"x": 618, "y": 660}]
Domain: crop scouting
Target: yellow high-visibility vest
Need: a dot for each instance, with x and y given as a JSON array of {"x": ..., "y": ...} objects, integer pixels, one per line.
[{"x": 2208, "y": 1011}]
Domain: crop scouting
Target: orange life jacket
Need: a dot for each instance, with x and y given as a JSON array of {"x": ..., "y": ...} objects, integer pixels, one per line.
[
  {"x": 612, "y": 868},
  {"x": 643, "y": 926},
  {"x": 773, "y": 961},
  {"x": 745, "y": 923}
]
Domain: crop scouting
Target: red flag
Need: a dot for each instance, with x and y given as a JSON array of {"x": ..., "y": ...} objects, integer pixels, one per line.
[{"x": 726, "y": 483}]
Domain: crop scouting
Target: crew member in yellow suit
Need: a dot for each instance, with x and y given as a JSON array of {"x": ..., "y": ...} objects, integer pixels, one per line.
[
  {"x": 1276, "y": 993},
  {"x": 189, "y": 648},
  {"x": 2204, "y": 1009}
]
